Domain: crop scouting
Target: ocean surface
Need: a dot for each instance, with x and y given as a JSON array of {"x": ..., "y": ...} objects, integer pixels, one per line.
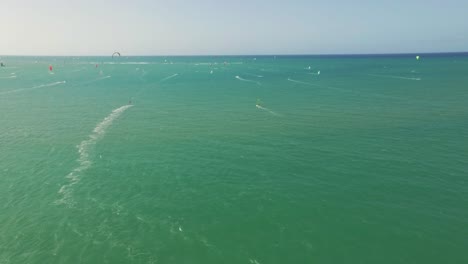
[{"x": 254, "y": 159}]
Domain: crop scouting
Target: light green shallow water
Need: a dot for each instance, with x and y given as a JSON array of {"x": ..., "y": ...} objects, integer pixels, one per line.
[{"x": 364, "y": 163}]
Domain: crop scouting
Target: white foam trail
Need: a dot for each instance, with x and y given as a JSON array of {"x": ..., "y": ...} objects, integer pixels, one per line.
[
  {"x": 254, "y": 75},
  {"x": 84, "y": 149},
  {"x": 395, "y": 77},
  {"x": 102, "y": 78},
  {"x": 32, "y": 88},
  {"x": 317, "y": 85},
  {"x": 306, "y": 83},
  {"x": 254, "y": 261},
  {"x": 8, "y": 77},
  {"x": 245, "y": 80},
  {"x": 78, "y": 70},
  {"x": 134, "y": 63},
  {"x": 314, "y": 73},
  {"x": 169, "y": 77},
  {"x": 266, "y": 109},
  {"x": 95, "y": 80}
]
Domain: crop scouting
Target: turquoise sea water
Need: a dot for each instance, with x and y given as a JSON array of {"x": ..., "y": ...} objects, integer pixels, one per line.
[{"x": 254, "y": 160}]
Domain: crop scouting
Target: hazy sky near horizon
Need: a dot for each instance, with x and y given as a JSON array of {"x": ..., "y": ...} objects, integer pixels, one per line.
[{"x": 208, "y": 27}]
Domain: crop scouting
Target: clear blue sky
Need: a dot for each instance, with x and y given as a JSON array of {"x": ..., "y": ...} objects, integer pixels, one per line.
[{"x": 205, "y": 27}]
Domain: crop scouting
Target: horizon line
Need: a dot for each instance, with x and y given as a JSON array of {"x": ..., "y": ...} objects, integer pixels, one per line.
[{"x": 250, "y": 55}]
